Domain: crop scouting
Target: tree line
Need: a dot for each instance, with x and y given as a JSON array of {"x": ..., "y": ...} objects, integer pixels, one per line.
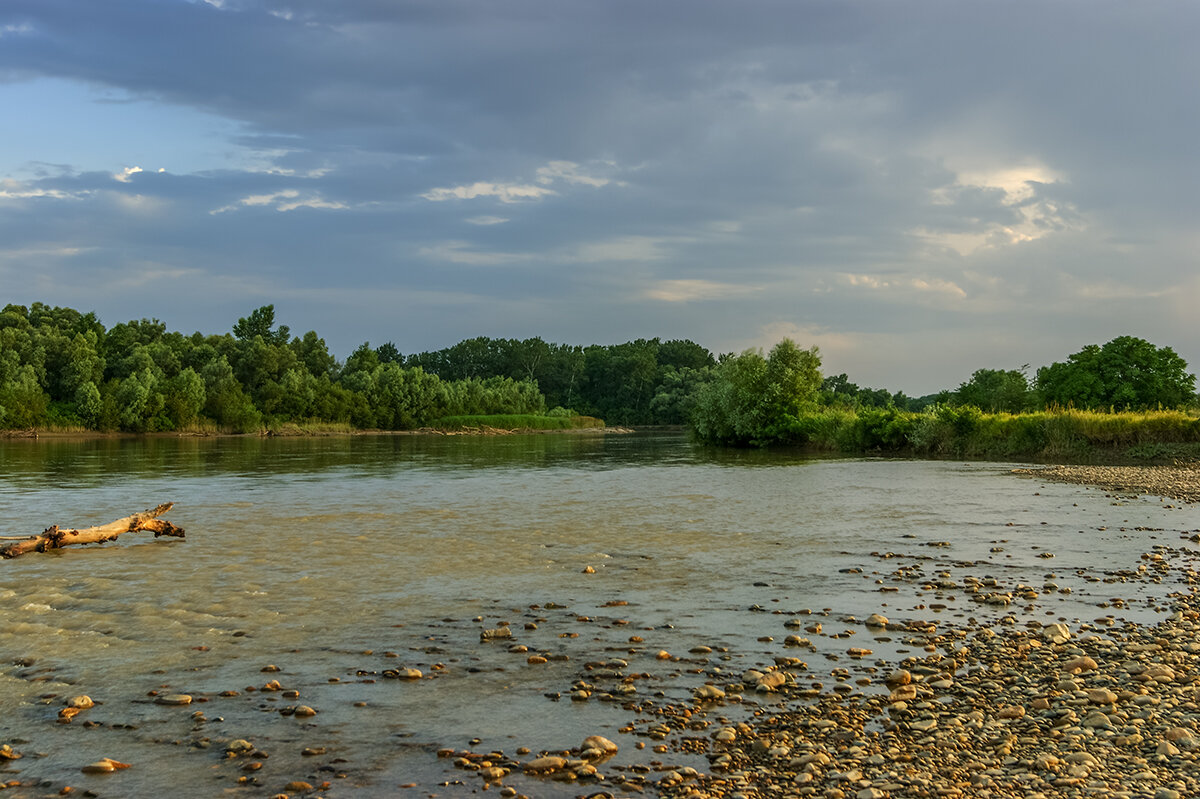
[
  {"x": 781, "y": 397},
  {"x": 62, "y": 368}
]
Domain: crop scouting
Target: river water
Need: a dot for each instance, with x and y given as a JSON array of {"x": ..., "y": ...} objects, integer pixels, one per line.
[{"x": 335, "y": 559}]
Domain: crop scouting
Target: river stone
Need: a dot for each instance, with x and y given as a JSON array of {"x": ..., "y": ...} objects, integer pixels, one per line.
[
  {"x": 877, "y": 621},
  {"x": 1101, "y": 696},
  {"x": 298, "y": 786},
  {"x": 771, "y": 681},
  {"x": 173, "y": 699},
  {"x": 1177, "y": 733},
  {"x": 725, "y": 735},
  {"x": 495, "y": 634},
  {"x": 1057, "y": 633},
  {"x": 604, "y": 745},
  {"x": 545, "y": 765},
  {"x": 1160, "y": 672},
  {"x": 709, "y": 692}
]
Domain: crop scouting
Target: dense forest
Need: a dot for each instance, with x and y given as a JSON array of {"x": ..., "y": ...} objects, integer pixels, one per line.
[{"x": 62, "y": 369}]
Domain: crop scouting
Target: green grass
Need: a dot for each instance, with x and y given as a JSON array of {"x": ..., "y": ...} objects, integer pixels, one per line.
[
  {"x": 516, "y": 422},
  {"x": 968, "y": 432},
  {"x": 309, "y": 428}
]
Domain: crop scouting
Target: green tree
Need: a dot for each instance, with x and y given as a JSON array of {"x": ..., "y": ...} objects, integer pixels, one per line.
[
  {"x": 756, "y": 400},
  {"x": 1127, "y": 373},
  {"x": 388, "y": 353},
  {"x": 311, "y": 351},
  {"x": 995, "y": 391},
  {"x": 23, "y": 403},
  {"x": 675, "y": 396},
  {"x": 259, "y": 323},
  {"x": 183, "y": 399}
]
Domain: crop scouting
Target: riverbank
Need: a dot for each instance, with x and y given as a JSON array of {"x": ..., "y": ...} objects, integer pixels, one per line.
[
  {"x": 295, "y": 432},
  {"x": 1175, "y": 482},
  {"x": 1072, "y": 708}
]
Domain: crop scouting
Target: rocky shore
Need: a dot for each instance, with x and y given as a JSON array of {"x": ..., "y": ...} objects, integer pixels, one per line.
[
  {"x": 1176, "y": 482},
  {"x": 1072, "y": 708}
]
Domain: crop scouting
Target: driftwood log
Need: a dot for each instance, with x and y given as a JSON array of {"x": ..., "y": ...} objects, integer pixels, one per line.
[{"x": 55, "y": 538}]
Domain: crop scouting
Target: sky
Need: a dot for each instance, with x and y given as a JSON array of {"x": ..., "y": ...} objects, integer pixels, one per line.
[{"x": 920, "y": 189}]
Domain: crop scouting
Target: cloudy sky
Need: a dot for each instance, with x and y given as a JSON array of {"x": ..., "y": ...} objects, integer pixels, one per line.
[{"x": 921, "y": 189}]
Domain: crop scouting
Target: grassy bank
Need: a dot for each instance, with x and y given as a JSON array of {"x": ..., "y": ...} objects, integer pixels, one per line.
[
  {"x": 967, "y": 432},
  {"x": 516, "y": 422}
]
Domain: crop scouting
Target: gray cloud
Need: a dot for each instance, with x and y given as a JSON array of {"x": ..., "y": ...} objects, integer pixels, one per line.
[{"x": 923, "y": 189}]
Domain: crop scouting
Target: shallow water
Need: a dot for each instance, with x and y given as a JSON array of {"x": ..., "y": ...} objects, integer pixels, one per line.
[{"x": 322, "y": 556}]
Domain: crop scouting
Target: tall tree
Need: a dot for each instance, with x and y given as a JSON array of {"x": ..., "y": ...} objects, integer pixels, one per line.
[
  {"x": 260, "y": 323},
  {"x": 1126, "y": 373},
  {"x": 995, "y": 391},
  {"x": 757, "y": 400}
]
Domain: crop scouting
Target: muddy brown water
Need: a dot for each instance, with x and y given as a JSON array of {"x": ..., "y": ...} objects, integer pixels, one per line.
[{"x": 337, "y": 559}]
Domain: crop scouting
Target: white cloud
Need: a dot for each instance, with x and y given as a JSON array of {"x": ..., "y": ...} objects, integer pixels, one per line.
[
  {"x": 126, "y": 174},
  {"x": 17, "y": 30},
  {"x": 311, "y": 202},
  {"x": 486, "y": 220},
  {"x": 567, "y": 172},
  {"x": 286, "y": 200},
  {"x": 1017, "y": 188},
  {"x": 906, "y": 283},
  {"x": 694, "y": 290},
  {"x": 16, "y": 190},
  {"x": 505, "y": 192}
]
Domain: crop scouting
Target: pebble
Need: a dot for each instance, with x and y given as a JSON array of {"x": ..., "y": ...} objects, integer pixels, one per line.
[
  {"x": 173, "y": 699},
  {"x": 105, "y": 765}
]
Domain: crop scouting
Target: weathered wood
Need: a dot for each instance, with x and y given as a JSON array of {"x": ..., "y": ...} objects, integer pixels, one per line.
[{"x": 54, "y": 538}]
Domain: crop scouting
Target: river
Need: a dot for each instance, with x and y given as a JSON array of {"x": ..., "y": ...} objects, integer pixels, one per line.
[{"x": 337, "y": 559}]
